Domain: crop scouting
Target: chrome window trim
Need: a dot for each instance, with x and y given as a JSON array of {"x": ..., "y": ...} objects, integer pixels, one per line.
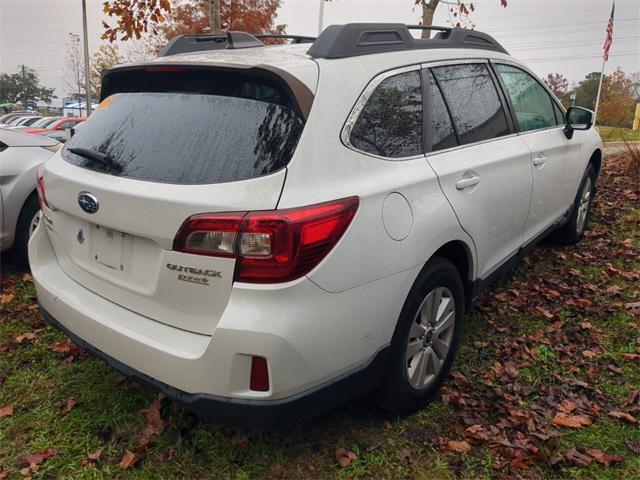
[
  {"x": 345, "y": 135},
  {"x": 373, "y": 84},
  {"x": 466, "y": 145}
]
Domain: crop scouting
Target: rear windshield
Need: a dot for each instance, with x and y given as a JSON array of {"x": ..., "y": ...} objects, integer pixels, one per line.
[{"x": 198, "y": 133}]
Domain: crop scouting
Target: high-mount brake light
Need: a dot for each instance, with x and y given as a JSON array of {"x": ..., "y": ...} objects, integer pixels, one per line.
[
  {"x": 163, "y": 68},
  {"x": 42, "y": 197},
  {"x": 269, "y": 246}
]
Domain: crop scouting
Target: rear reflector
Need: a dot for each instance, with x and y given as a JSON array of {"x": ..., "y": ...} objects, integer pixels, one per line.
[
  {"x": 42, "y": 197},
  {"x": 259, "y": 375},
  {"x": 270, "y": 246}
]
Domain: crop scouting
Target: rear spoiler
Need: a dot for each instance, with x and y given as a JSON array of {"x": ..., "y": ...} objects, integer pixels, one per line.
[{"x": 133, "y": 78}]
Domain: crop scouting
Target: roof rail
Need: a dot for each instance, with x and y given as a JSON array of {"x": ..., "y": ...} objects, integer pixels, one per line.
[
  {"x": 229, "y": 40},
  {"x": 342, "y": 41},
  {"x": 353, "y": 39}
]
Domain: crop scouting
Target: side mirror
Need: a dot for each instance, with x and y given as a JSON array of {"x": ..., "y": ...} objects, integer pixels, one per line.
[{"x": 577, "y": 118}]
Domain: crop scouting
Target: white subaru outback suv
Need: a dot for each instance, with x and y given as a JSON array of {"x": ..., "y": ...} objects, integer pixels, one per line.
[{"x": 265, "y": 231}]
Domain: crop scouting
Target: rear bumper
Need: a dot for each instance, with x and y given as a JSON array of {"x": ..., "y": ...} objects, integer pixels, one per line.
[
  {"x": 322, "y": 348},
  {"x": 254, "y": 413}
]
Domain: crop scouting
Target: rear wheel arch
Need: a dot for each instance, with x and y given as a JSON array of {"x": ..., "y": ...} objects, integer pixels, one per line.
[{"x": 460, "y": 254}]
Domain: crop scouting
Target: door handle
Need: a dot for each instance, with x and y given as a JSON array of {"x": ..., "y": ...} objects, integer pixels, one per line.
[
  {"x": 540, "y": 160},
  {"x": 467, "y": 182}
]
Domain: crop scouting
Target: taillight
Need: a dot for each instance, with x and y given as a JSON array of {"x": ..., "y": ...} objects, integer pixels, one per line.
[
  {"x": 42, "y": 198},
  {"x": 270, "y": 246}
]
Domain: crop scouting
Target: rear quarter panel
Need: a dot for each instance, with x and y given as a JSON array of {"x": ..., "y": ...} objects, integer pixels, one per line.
[{"x": 325, "y": 169}]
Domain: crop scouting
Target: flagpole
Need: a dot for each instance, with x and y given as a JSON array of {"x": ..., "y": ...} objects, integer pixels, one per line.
[
  {"x": 595, "y": 113},
  {"x": 605, "y": 56}
]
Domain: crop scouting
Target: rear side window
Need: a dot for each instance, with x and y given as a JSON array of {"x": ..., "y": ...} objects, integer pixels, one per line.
[
  {"x": 473, "y": 101},
  {"x": 531, "y": 102},
  {"x": 197, "y": 128},
  {"x": 390, "y": 124},
  {"x": 442, "y": 133}
]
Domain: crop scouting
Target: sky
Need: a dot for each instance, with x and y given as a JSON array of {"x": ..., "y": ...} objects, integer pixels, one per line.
[{"x": 564, "y": 36}]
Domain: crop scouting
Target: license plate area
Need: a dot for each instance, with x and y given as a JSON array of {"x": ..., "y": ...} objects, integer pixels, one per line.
[{"x": 108, "y": 247}]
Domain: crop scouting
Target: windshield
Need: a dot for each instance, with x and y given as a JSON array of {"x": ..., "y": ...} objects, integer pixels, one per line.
[{"x": 188, "y": 138}]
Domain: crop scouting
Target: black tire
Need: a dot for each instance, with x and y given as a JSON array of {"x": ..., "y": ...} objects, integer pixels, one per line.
[
  {"x": 397, "y": 393},
  {"x": 572, "y": 232},
  {"x": 21, "y": 242}
]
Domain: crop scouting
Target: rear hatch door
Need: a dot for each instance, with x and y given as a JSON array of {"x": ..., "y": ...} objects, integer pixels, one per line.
[{"x": 190, "y": 142}]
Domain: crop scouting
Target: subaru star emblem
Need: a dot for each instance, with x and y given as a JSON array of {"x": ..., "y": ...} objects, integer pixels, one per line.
[
  {"x": 80, "y": 237},
  {"x": 88, "y": 202}
]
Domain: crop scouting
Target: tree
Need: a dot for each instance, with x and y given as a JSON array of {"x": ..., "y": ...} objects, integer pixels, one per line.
[
  {"x": 191, "y": 16},
  {"x": 587, "y": 90},
  {"x": 459, "y": 12},
  {"x": 106, "y": 57},
  {"x": 73, "y": 76},
  {"x": 22, "y": 86},
  {"x": 134, "y": 18},
  {"x": 558, "y": 84},
  {"x": 617, "y": 101}
]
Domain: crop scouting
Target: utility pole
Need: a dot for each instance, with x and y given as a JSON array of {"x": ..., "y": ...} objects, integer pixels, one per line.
[
  {"x": 321, "y": 17},
  {"x": 24, "y": 86},
  {"x": 87, "y": 66},
  {"x": 214, "y": 16}
]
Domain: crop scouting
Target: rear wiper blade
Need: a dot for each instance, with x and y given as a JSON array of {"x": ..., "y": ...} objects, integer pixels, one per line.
[{"x": 99, "y": 157}]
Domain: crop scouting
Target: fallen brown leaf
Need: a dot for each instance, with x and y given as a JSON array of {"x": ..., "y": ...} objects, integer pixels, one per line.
[
  {"x": 277, "y": 471},
  {"x": 6, "y": 298},
  {"x": 624, "y": 416},
  {"x": 345, "y": 457},
  {"x": 575, "y": 457},
  {"x": 631, "y": 357},
  {"x": 633, "y": 446},
  {"x": 34, "y": 460},
  {"x": 155, "y": 424},
  {"x": 93, "y": 457},
  {"x": 571, "y": 421},
  {"x": 461, "y": 446},
  {"x": 633, "y": 308},
  {"x": 604, "y": 458},
  {"x": 129, "y": 459},
  {"x": 25, "y": 336},
  {"x": 67, "y": 405},
  {"x": 6, "y": 411},
  {"x": 543, "y": 312}
]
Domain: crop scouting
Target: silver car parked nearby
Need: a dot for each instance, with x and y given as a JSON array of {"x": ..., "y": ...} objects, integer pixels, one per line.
[{"x": 20, "y": 156}]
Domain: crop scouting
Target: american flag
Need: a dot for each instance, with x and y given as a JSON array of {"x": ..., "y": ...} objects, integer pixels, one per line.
[{"x": 609, "y": 40}]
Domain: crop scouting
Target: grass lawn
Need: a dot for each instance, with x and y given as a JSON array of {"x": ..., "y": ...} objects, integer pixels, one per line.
[
  {"x": 613, "y": 134},
  {"x": 546, "y": 385}
]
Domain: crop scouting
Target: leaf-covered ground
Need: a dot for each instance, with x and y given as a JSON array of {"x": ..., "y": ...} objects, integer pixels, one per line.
[{"x": 546, "y": 385}]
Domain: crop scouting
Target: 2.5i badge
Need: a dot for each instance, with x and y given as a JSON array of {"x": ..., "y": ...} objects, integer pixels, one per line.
[{"x": 194, "y": 275}]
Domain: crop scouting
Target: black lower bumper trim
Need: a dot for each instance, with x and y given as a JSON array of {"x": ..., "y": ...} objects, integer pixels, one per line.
[{"x": 254, "y": 413}]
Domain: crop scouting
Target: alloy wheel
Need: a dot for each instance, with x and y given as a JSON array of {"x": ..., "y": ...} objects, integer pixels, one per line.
[
  {"x": 583, "y": 206},
  {"x": 430, "y": 337}
]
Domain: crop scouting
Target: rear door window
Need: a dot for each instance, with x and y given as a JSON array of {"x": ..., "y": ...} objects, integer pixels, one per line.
[
  {"x": 205, "y": 129},
  {"x": 532, "y": 104},
  {"x": 473, "y": 100},
  {"x": 390, "y": 124},
  {"x": 442, "y": 134}
]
